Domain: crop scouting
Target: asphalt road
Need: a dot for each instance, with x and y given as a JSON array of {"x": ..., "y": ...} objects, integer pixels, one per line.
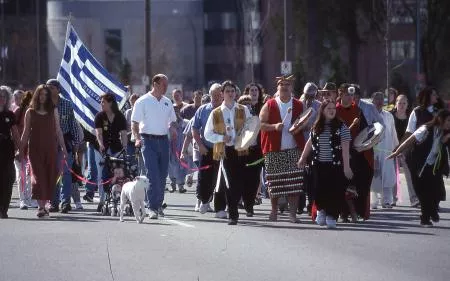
[{"x": 186, "y": 246}]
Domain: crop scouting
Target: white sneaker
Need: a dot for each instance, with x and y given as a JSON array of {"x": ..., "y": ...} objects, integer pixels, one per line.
[
  {"x": 153, "y": 215},
  {"x": 320, "y": 219},
  {"x": 204, "y": 208},
  {"x": 197, "y": 206},
  {"x": 331, "y": 222},
  {"x": 32, "y": 203},
  {"x": 221, "y": 215},
  {"x": 22, "y": 205},
  {"x": 78, "y": 206}
]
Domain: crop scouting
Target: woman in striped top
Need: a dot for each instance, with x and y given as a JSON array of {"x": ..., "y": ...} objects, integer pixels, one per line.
[{"x": 330, "y": 143}]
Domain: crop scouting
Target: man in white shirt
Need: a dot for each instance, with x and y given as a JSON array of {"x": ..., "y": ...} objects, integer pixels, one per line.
[
  {"x": 222, "y": 126},
  {"x": 152, "y": 119}
]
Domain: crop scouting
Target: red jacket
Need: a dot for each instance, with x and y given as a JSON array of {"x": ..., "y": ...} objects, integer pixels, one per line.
[{"x": 271, "y": 141}]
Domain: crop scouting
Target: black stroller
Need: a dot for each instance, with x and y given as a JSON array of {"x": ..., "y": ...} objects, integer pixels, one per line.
[{"x": 112, "y": 197}]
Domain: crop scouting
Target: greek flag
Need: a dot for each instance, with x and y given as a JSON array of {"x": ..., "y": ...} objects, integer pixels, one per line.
[{"x": 83, "y": 80}]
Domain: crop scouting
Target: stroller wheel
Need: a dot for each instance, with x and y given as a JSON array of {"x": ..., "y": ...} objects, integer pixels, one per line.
[{"x": 105, "y": 210}]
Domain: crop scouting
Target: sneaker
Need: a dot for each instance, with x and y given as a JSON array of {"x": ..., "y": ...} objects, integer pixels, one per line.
[
  {"x": 189, "y": 180},
  {"x": 78, "y": 206},
  {"x": 181, "y": 189},
  {"x": 88, "y": 198},
  {"x": 204, "y": 208},
  {"x": 160, "y": 212},
  {"x": 99, "y": 207},
  {"x": 174, "y": 188},
  {"x": 320, "y": 219},
  {"x": 221, "y": 215},
  {"x": 32, "y": 204},
  {"x": 22, "y": 205},
  {"x": 426, "y": 224},
  {"x": 153, "y": 215},
  {"x": 331, "y": 222},
  {"x": 53, "y": 209},
  {"x": 197, "y": 206},
  {"x": 415, "y": 204},
  {"x": 386, "y": 206},
  {"x": 65, "y": 208},
  {"x": 232, "y": 222},
  {"x": 435, "y": 218}
]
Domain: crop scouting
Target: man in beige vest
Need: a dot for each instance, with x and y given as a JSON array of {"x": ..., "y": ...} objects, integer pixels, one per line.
[{"x": 222, "y": 127}]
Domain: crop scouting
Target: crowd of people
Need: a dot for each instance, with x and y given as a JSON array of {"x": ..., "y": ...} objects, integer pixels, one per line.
[{"x": 303, "y": 154}]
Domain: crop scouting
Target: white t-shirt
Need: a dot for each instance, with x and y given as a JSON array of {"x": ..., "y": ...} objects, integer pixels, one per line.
[
  {"x": 228, "y": 118},
  {"x": 154, "y": 117},
  {"x": 412, "y": 121},
  {"x": 287, "y": 139},
  {"x": 421, "y": 134}
]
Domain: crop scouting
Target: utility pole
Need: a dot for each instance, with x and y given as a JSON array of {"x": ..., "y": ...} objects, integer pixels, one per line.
[
  {"x": 38, "y": 42},
  {"x": 285, "y": 32},
  {"x": 147, "y": 30},
  {"x": 386, "y": 38},
  {"x": 2, "y": 43},
  {"x": 418, "y": 70}
]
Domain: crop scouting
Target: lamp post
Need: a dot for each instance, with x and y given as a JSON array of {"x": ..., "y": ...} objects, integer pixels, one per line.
[{"x": 147, "y": 38}]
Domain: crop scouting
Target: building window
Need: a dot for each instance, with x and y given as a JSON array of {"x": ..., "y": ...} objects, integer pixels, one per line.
[
  {"x": 255, "y": 18},
  {"x": 113, "y": 50},
  {"x": 401, "y": 50},
  {"x": 256, "y": 54},
  {"x": 229, "y": 21}
]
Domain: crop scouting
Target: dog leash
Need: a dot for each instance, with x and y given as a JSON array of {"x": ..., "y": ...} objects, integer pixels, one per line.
[{"x": 83, "y": 179}]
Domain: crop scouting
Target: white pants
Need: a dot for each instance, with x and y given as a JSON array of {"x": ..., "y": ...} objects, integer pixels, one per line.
[
  {"x": 98, "y": 159},
  {"x": 386, "y": 196},
  {"x": 23, "y": 179}
]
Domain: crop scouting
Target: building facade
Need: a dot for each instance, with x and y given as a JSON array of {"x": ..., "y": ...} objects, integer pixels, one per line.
[{"x": 113, "y": 30}]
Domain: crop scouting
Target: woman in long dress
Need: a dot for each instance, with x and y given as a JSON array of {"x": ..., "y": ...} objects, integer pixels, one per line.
[{"x": 42, "y": 134}]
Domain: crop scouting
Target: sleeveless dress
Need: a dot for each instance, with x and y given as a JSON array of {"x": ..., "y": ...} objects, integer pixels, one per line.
[{"x": 42, "y": 149}]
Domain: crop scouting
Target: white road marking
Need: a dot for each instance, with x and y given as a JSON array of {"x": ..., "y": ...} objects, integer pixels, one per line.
[{"x": 179, "y": 223}]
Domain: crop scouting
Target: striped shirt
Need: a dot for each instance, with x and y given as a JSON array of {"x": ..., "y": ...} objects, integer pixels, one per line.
[{"x": 325, "y": 151}]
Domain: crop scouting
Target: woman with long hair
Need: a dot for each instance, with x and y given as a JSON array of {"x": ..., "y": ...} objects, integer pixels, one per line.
[
  {"x": 22, "y": 167},
  {"x": 258, "y": 96},
  {"x": 8, "y": 145},
  {"x": 111, "y": 132},
  {"x": 430, "y": 142},
  {"x": 42, "y": 134},
  {"x": 401, "y": 115},
  {"x": 330, "y": 143}
]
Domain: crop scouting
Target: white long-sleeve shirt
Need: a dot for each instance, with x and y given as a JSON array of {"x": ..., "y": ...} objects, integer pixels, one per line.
[{"x": 228, "y": 117}]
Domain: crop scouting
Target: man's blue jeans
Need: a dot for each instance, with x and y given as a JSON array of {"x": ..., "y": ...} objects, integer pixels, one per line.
[
  {"x": 155, "y": 151},
  {"x": 91, "y": 170},
  {"x": 64, "y": 188}
]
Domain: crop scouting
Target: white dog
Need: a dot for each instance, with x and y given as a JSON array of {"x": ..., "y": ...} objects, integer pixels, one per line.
[{"x": 135, "y": 192}]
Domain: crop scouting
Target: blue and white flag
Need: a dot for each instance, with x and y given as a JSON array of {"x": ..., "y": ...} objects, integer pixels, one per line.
[{"x": 84, "y": 80}]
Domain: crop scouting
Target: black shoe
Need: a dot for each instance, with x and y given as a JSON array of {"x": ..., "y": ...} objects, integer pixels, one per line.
[
  {"x": 3, "y": 215},
  {"x": 164, "y": 205},
  {"x": 435, "y": 218},
  {"x": 425, "y": 222},
  {"x": 241, "y": 206},
  {"x": 182, "y": 189},
  {"x": 232, "y": 222},
  {"x": 99, "y": 207},
  {"x": 88, "y": 198},
  {"x": 249, "y": 214},
  {"x": 53, "y": 209},
  {"x": 65, "y": 208}
]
